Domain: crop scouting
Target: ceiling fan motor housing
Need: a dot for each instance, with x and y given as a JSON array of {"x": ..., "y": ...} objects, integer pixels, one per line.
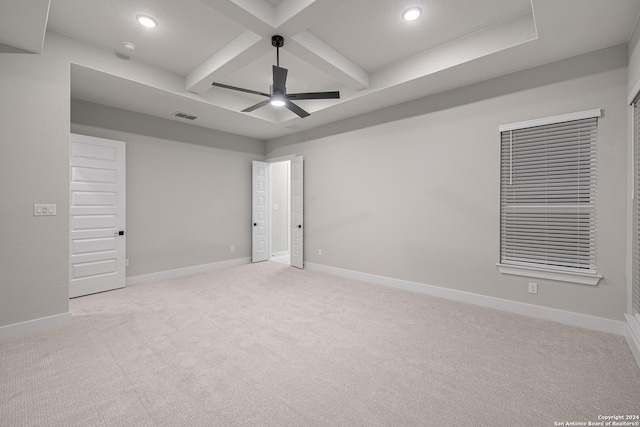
[{"x": 271, "y": 92}]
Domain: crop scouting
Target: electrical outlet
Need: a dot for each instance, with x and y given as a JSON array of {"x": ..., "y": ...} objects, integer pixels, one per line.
[
  {"x": 533, "y": 288},
  {"x": 40, "y": 209},
  {"x": 319, "y": 251},
  {"x": 232, "y": 248}
]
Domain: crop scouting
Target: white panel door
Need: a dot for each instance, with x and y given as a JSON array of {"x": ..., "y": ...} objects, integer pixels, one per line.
[
  {"x": 260, "y": 212},
  {"x": 97, "y": 249},
  {"x": 297, "y": 231}
]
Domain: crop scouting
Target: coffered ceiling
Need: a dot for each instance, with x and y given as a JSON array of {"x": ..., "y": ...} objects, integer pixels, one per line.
[{"x": 363, "y": 48}]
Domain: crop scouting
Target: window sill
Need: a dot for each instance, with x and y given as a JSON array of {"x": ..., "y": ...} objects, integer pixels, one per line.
[{"x": 541, "y": 273}]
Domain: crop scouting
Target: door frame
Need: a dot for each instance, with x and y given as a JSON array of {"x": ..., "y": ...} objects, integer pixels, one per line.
[{"x": 271, "y": 160}]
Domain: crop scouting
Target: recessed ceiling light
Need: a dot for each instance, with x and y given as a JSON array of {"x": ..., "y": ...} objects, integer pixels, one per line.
[
  {"x": 412, "y": 13},
  {"x": 129, "y": 46},
  {"x": 147, "y": 21}
]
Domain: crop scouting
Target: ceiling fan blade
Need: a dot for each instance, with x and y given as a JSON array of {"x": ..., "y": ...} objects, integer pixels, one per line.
[
  {"x": 279, "y": 79},
  {"x": 314, "y": 95},
  {"x": 240, "y": 89},
  {"x": 255, "y": 107},
  {"x": 293, "y": 107}
]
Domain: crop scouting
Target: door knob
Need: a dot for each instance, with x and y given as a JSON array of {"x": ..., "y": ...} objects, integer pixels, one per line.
[
  {"x": 299, "y": 225},
  {"x": 255, "y": 223},
  {"x": 119, "y": 233}
]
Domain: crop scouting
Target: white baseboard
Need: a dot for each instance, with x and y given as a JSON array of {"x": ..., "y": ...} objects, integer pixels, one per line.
[
  {"x": 35, "y": 326},
  {"x": 546, "y": 313},
  {"x": 632, "y": 334},
  {"x": 281, "y": 253},
  {"x": 186, "y": 271}
]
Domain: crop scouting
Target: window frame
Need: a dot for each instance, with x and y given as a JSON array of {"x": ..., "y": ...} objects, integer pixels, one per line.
[
  {"x": 551, "y": 273},
  {"x": 635, "y": 147}
]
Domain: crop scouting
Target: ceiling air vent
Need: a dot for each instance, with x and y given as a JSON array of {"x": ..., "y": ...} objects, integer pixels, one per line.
[{"x": 184, "y": 115}]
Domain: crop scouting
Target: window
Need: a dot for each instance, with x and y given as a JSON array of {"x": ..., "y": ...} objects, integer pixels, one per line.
[
  {"x": 636, "y": 252},
  {"x": 548, "y": 198}
]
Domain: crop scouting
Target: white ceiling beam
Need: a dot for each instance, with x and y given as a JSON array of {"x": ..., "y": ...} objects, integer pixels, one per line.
[
  {"x": 243, "y": 50},
  {"x": 311, "y": 49}
]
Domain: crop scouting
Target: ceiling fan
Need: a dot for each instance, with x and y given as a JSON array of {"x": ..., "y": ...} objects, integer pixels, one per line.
[{"x": 279, "y": 96}]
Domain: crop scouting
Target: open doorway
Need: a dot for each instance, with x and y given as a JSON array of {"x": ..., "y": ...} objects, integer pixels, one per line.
[
  {"x": 280, "y": 173},
  {"x": 277, "y": 211}
]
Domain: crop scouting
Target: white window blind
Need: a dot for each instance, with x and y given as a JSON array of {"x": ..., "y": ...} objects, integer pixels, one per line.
[
  {"x": 548, "y": 195},
  {"x": 636, "y": 245}
]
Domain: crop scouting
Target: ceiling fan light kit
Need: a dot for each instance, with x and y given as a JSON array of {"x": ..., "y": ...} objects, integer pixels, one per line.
[
  {"x": 278, "y": 95},
  {"x": 278, "y": 101}
]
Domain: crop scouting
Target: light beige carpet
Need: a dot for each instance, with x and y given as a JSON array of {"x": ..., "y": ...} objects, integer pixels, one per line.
[{"x": 269, "y": 345}]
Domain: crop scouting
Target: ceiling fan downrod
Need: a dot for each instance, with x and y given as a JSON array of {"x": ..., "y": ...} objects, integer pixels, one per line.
[{"x": 277, "y": 42}]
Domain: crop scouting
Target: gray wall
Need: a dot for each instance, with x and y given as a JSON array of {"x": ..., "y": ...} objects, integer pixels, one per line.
[
  {"x": 632, "y": 89},
  {"x": 187, "y": 199},
  {"x": 634, "y": 58},
  {"x": 413, "y": 191},
  {"x": 279, "y": 216},
  {"x": 34, "y": 168}
]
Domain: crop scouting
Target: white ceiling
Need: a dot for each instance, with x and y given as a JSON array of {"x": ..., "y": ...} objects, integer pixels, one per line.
[
  {"x": 189, "y": 31},
  {"x": 22, "y": 26},
  {"x": 384, "y": 38},
  {"x": 361, "y": 47}
]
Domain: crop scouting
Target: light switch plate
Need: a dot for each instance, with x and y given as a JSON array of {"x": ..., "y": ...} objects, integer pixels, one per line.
[{"x": 40, "y": 209}]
